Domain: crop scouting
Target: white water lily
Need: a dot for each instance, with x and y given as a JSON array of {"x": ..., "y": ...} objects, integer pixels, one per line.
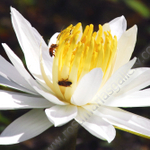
[{"x": 88, "y": 76}]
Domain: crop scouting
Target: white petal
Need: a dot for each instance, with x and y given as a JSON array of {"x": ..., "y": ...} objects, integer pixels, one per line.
[
  {"x": 19, "y": 66},
  {"x": 47, "y": 59},
  {"x": 10, "y": 72},
  {"x": 49, "y": 96},
  {"x": 106, "y": 28},
  {"x": 126, "y": 46},
  {"x": 60, "y": 115},
  {"x": 30, "y": 41},
  {"x": 118, "y": 26},
  {"x": 53, "y": 39},
  {"x": 136, "y": 81},
  {"x": 25, "y": 127},
  {"x": 126, "y": 120},
  {"x": 136, "y": 99},
  {"x": 96, "y": 125},
  {"x": 112, "y": 87},
  {"x": 11, "y": 84},
  {"x": 14, "y": 100},
  {"x": 139, "y": 80},
  {"x": 87, "y": 87}
]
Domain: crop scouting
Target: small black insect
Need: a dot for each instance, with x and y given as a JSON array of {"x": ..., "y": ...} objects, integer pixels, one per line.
[{"x": 65, "y": 83}]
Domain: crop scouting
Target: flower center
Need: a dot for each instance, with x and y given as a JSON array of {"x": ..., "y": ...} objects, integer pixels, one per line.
[{"x": 77, "y": 53}]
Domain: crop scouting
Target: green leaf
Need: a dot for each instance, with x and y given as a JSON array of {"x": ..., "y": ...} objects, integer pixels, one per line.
[{"x": 139, "y": 7}]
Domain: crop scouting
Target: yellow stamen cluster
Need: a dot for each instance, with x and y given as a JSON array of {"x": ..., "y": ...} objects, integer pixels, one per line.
[
  {"x": 78, "y": 53},
  {"x": 93, "y": 49}
]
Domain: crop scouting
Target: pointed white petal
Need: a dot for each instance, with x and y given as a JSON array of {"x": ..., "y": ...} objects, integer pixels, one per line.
[
  {"x": 139, "y": 80},
  {"x": 14, "y": 100},
  {"x": 136, "y": 99},
  {"x": 49, "y": 96},
  {"x": 11, "y": 84},
  {"x": 60, "y": 115},
  {"x": 25, "y": 127},
  {"x": 15, "y": 59},
  {"x": 47, "y": 62},
  {"x": 126, "y": 46},
  {"x": 95, "y": 125},
  {"x": 10, "y": 72},
  {"x": 126, "y": 120},
  {"x": 87, "y": 87},
  {"x": 53, "y": 39},
  {"x": 112, "y": 86},
  {"x": 134, "y": 82},
  {"x": 19, "y": 66},
  {"x": 118, "y": 26},
  {"x": 47, "y": 59},
  {"x": 30, "y": 41}
]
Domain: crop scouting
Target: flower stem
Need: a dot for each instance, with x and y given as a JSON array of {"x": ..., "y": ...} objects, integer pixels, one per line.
[{"x": 70, "y": 133}]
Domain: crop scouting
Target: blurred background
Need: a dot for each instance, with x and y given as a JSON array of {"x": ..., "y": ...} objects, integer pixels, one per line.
[{"x": 50, "y": 16}]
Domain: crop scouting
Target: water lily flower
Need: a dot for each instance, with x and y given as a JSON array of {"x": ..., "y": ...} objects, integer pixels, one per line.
[{"x": 83, "y": 76}]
